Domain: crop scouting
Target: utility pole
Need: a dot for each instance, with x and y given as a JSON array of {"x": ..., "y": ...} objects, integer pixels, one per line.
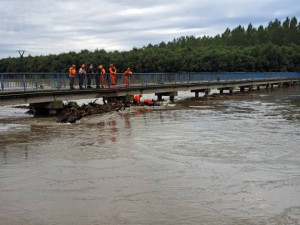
[{"x": 21, "y": 53}]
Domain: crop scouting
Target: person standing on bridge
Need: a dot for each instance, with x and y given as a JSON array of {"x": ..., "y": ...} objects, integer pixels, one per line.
[
  {"x": 72, "y": 73},
  {"x": 90, "y": 74},
  {"x": 112, "y": 71},
  {"x": 100, "y": 77},
  {"x": 82, "y": 74},
  {"x": 127, "y": 75}
]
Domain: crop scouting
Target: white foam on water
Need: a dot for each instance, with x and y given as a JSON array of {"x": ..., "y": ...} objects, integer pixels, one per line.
[
  {"x": 13, "y": 127},
  {"x": 10, "y": 112}
]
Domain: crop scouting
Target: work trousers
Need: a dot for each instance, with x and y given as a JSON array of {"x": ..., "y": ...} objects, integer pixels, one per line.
[
  {"x": 108, "y": 79},
  {"x": 81, "y": 78},
  {"x": 97, "y": 78},
  {"x": 89, "y": 79},
  {"x": 71, "y": 82},
  {"x": 126, "y": 80},
  {"x": 113, "y": 79}
]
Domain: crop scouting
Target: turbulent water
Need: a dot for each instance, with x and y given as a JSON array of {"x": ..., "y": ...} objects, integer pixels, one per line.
[{"x": 229, "y": 160}]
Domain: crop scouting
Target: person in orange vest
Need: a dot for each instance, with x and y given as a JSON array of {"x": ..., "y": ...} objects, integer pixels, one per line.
[
  {"x": 148, "y": 102},
  {"x": 112, "y": 71},
  {"x": 72, "y": 73},
  {"x": 82, "y": 74},
  {"x": 102, "y": 72},
  {"x": 137, "y": 99},
  {"x": 127, "y": 74}
]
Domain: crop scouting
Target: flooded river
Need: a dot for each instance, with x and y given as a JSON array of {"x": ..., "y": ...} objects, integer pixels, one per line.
[{"x": 229, "y": 160}]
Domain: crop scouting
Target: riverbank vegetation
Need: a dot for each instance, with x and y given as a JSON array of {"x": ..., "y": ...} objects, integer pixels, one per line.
[{"x": 275, "y": 47}]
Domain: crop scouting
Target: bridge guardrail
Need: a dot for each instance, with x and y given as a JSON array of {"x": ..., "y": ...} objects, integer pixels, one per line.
[{"x": 38, "y": 81}]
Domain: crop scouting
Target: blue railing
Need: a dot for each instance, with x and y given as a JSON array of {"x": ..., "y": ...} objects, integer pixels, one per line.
[{"x": 60, "y": 81}]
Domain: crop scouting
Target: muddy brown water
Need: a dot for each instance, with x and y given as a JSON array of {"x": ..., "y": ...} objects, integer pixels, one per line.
[{"x": 229, "y": 160}]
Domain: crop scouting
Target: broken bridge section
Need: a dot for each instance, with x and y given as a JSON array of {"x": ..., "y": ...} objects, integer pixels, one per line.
[{"x": 50, "y": 99}]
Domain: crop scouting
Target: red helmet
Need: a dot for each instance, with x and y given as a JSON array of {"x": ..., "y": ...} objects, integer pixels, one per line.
[{"x": 83, "y": 66}]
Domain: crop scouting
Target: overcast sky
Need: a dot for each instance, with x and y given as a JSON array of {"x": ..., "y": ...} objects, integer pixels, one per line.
[{"x": 44, "y": 27}]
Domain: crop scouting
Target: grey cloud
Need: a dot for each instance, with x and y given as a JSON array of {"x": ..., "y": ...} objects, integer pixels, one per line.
[{"x": 44, "y": 26}]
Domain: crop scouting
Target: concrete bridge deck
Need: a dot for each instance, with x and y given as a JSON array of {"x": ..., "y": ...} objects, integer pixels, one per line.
[{"x": 13, "y": 97}]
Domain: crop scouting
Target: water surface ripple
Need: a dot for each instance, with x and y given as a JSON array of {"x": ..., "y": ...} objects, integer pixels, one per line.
[{"x": 229, "y": 161}]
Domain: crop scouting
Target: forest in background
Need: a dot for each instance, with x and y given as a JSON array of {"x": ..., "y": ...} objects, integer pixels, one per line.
[{"x": 273, "y": 48}]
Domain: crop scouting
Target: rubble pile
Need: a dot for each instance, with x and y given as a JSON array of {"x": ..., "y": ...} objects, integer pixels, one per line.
[{"x": 73, "y": 112}]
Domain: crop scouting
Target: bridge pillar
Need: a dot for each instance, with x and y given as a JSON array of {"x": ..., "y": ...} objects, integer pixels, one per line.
[
  {"x": 206, "y": 92},
  {"x": 159, "y": 97},
  {"x": 242, "y": 89},
  {"x": 172, "y": 98},
  {"x": 170, "y": 94},
  {"x": 47, "y": 108},
  {"x": 287, "y": 84},
  {"x": 230, "y": 89},
  {"x": 257, "y": 87}
]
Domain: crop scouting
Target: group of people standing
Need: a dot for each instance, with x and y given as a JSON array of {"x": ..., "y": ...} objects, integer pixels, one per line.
[{"x": 100, "y": 76}]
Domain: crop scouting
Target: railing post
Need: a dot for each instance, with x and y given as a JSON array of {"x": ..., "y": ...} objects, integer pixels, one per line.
[
  {"x": 64, "y": 80},
  {"x": 57, "y": 81},
  {"x": 147, "y": 77},
  {"x": 2, "y": 81},
  {"x": 24, "y": 82},
  {"x": 36, "y": 81}
]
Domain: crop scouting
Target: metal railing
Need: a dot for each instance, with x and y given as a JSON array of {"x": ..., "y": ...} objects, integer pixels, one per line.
[{"x": 60, "y": 81}]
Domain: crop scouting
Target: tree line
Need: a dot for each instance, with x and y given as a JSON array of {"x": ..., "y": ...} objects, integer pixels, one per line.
[{"x": 275, "y": 47}]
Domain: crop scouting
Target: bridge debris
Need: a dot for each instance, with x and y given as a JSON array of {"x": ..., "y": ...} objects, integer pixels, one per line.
[{"x": 72, "y": 112}]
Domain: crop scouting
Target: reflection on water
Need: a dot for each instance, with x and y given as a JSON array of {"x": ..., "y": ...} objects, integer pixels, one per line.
[{"x": 229, "y": 160}]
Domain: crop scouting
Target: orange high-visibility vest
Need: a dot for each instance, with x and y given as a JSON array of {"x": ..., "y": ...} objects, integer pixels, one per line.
[
  {"x": 72, "y": 72},
  {"x": 127, "y": 72},
  {"x": 112, "y": 70},
  {"x": 102, "y": 73},
  {"x": 148, "y": 102},
  {"x": 137, "y": 98},
  {"x": 126, "y": 76}
]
